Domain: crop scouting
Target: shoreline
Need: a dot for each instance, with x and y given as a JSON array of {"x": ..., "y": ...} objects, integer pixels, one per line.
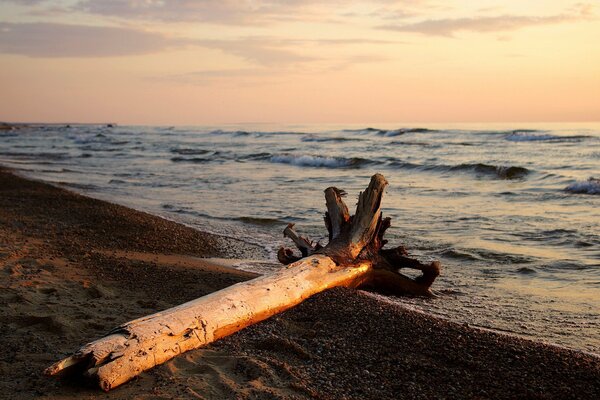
[
  {"x": 239, "y": 250},
  {"x": 240, "y": 261},
  {"x": 497, "y": 331},
  {"x": 69, "y": 261},
  {"x": 228, "y": 262}
]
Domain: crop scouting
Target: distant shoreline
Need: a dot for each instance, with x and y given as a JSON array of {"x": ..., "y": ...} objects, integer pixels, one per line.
[
  {"x": 398, "y": 124},
  {"x": 20, "y": 125}
]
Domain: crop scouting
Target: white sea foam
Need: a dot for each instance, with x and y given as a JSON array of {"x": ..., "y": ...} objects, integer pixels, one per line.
[
  {"x": 394, "y": 132},
  {"x": 591, "y": 186},
  {"x": 316, "y": 161}
]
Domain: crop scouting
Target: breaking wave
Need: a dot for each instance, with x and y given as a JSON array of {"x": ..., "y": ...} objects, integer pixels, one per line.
[
  {"x": 591, "y": 186},
  {"x": 319, "y": 161}
]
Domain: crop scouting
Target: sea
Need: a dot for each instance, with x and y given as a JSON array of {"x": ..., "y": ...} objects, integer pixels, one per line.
[{"x": 512, "y": 211}]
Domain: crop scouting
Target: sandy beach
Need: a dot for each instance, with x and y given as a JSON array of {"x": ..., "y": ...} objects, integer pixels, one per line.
[{"x": 73, "y": 267}]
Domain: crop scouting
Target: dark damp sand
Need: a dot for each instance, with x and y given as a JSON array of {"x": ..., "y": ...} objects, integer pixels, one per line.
[{"x": 72, "y": 268}]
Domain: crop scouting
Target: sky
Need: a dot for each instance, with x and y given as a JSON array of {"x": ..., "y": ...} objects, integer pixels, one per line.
[{"x": 183, "y": 62}]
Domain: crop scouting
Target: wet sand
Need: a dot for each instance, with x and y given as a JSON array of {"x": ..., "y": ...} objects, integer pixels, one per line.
[{"x": 72, "y": 268}]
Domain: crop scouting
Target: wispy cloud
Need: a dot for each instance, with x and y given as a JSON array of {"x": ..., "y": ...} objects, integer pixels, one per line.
[
  {"x": 266, "y": 74},
  {"x": 236, "y": 76},
  {"x": 484, "y": 24},
  {"x": 63, "y": 40},
  {"x": 244, "y": 12},
  {"x": 264, "y": 51},
  {"x": 219, "y": 11},
  {"x": 280, "y": 51},
  {"x": 24, "y": 2}
]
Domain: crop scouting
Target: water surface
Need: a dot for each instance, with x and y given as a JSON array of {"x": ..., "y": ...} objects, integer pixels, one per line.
[{"x": 512, "y": 211}]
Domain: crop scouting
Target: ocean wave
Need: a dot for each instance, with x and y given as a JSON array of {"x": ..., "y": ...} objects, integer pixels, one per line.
[
  {"x": 591, "y": 186},
  {"x": 319, "y": 139},
  {"x": 402, "y": 131},
  {"x": 408, "y": 165},
  {"x": 100, "y": 148},
  {"x": 525, "y": 131},
  {"x": 526, "y": 271},
  {"x": 565, "y": 265},
  {"x": 255, "y": 157},
  {"x": 187, "y": 211},
  {"x": 97, "y": 142},
  {"x": 526, "y": 135},
  {"x": 37, "y": 156},
  {"x": 77, "y": 185},
  {"x": 363, "y": 130},
  {"x": 210, "y": 156},
  {"x": 320, "y": 161},
  {"x": 404, "y": 143},
  {"x": 195, "y": 160},
  {"x": 232, "y": 133},
  {"x": 188, "y": 151},
  {"x": 478, "y": 255},
  {"x": 220, "y": 132},
  {"x": 530, "y": 136},
  {"x": 459, "y": 254},
  {"x": 260, "y": 221},
  {"x": 388, "y": 132},
  {"x": 500, "y": 172},
  {"x": 494, "y": 171}
]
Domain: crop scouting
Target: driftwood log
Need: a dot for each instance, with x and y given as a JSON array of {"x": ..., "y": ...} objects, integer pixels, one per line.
[{"x": 354, "y": 257}]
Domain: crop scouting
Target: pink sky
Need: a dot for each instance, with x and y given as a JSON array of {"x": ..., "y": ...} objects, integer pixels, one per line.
[{"x": 183, "y": 62}]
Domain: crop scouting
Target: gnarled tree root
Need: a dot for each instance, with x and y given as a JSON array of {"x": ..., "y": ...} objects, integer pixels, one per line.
[{"x": 360, "y": 239}]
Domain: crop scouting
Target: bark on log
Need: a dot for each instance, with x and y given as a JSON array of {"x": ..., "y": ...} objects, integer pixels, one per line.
[{"x": 353, "y": 258}]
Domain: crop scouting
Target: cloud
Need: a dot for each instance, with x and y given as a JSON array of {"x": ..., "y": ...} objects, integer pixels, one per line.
[
  {"x": 258, "y": 75},
  {"x": 25, "y": 2},
  {"x": 257, "y": 13},
  {"x": 221, "y": 11},
  {"x": 484, "y": 24},
  {"x": 264, "y": 51},
  {"x": 275, "y": 51},
  {"x": 267, "y": 74},
  {"x": 344, "y": 41},
  {"x": 244, "y": 12},
  {"x": 61, "y": 40}
]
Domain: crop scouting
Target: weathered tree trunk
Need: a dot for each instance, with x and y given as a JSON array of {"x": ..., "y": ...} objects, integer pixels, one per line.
[{"x": 353, "y": 258}]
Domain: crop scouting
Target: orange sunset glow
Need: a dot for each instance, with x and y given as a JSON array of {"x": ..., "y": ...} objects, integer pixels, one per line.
[{"x": 197, "y": 62}]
